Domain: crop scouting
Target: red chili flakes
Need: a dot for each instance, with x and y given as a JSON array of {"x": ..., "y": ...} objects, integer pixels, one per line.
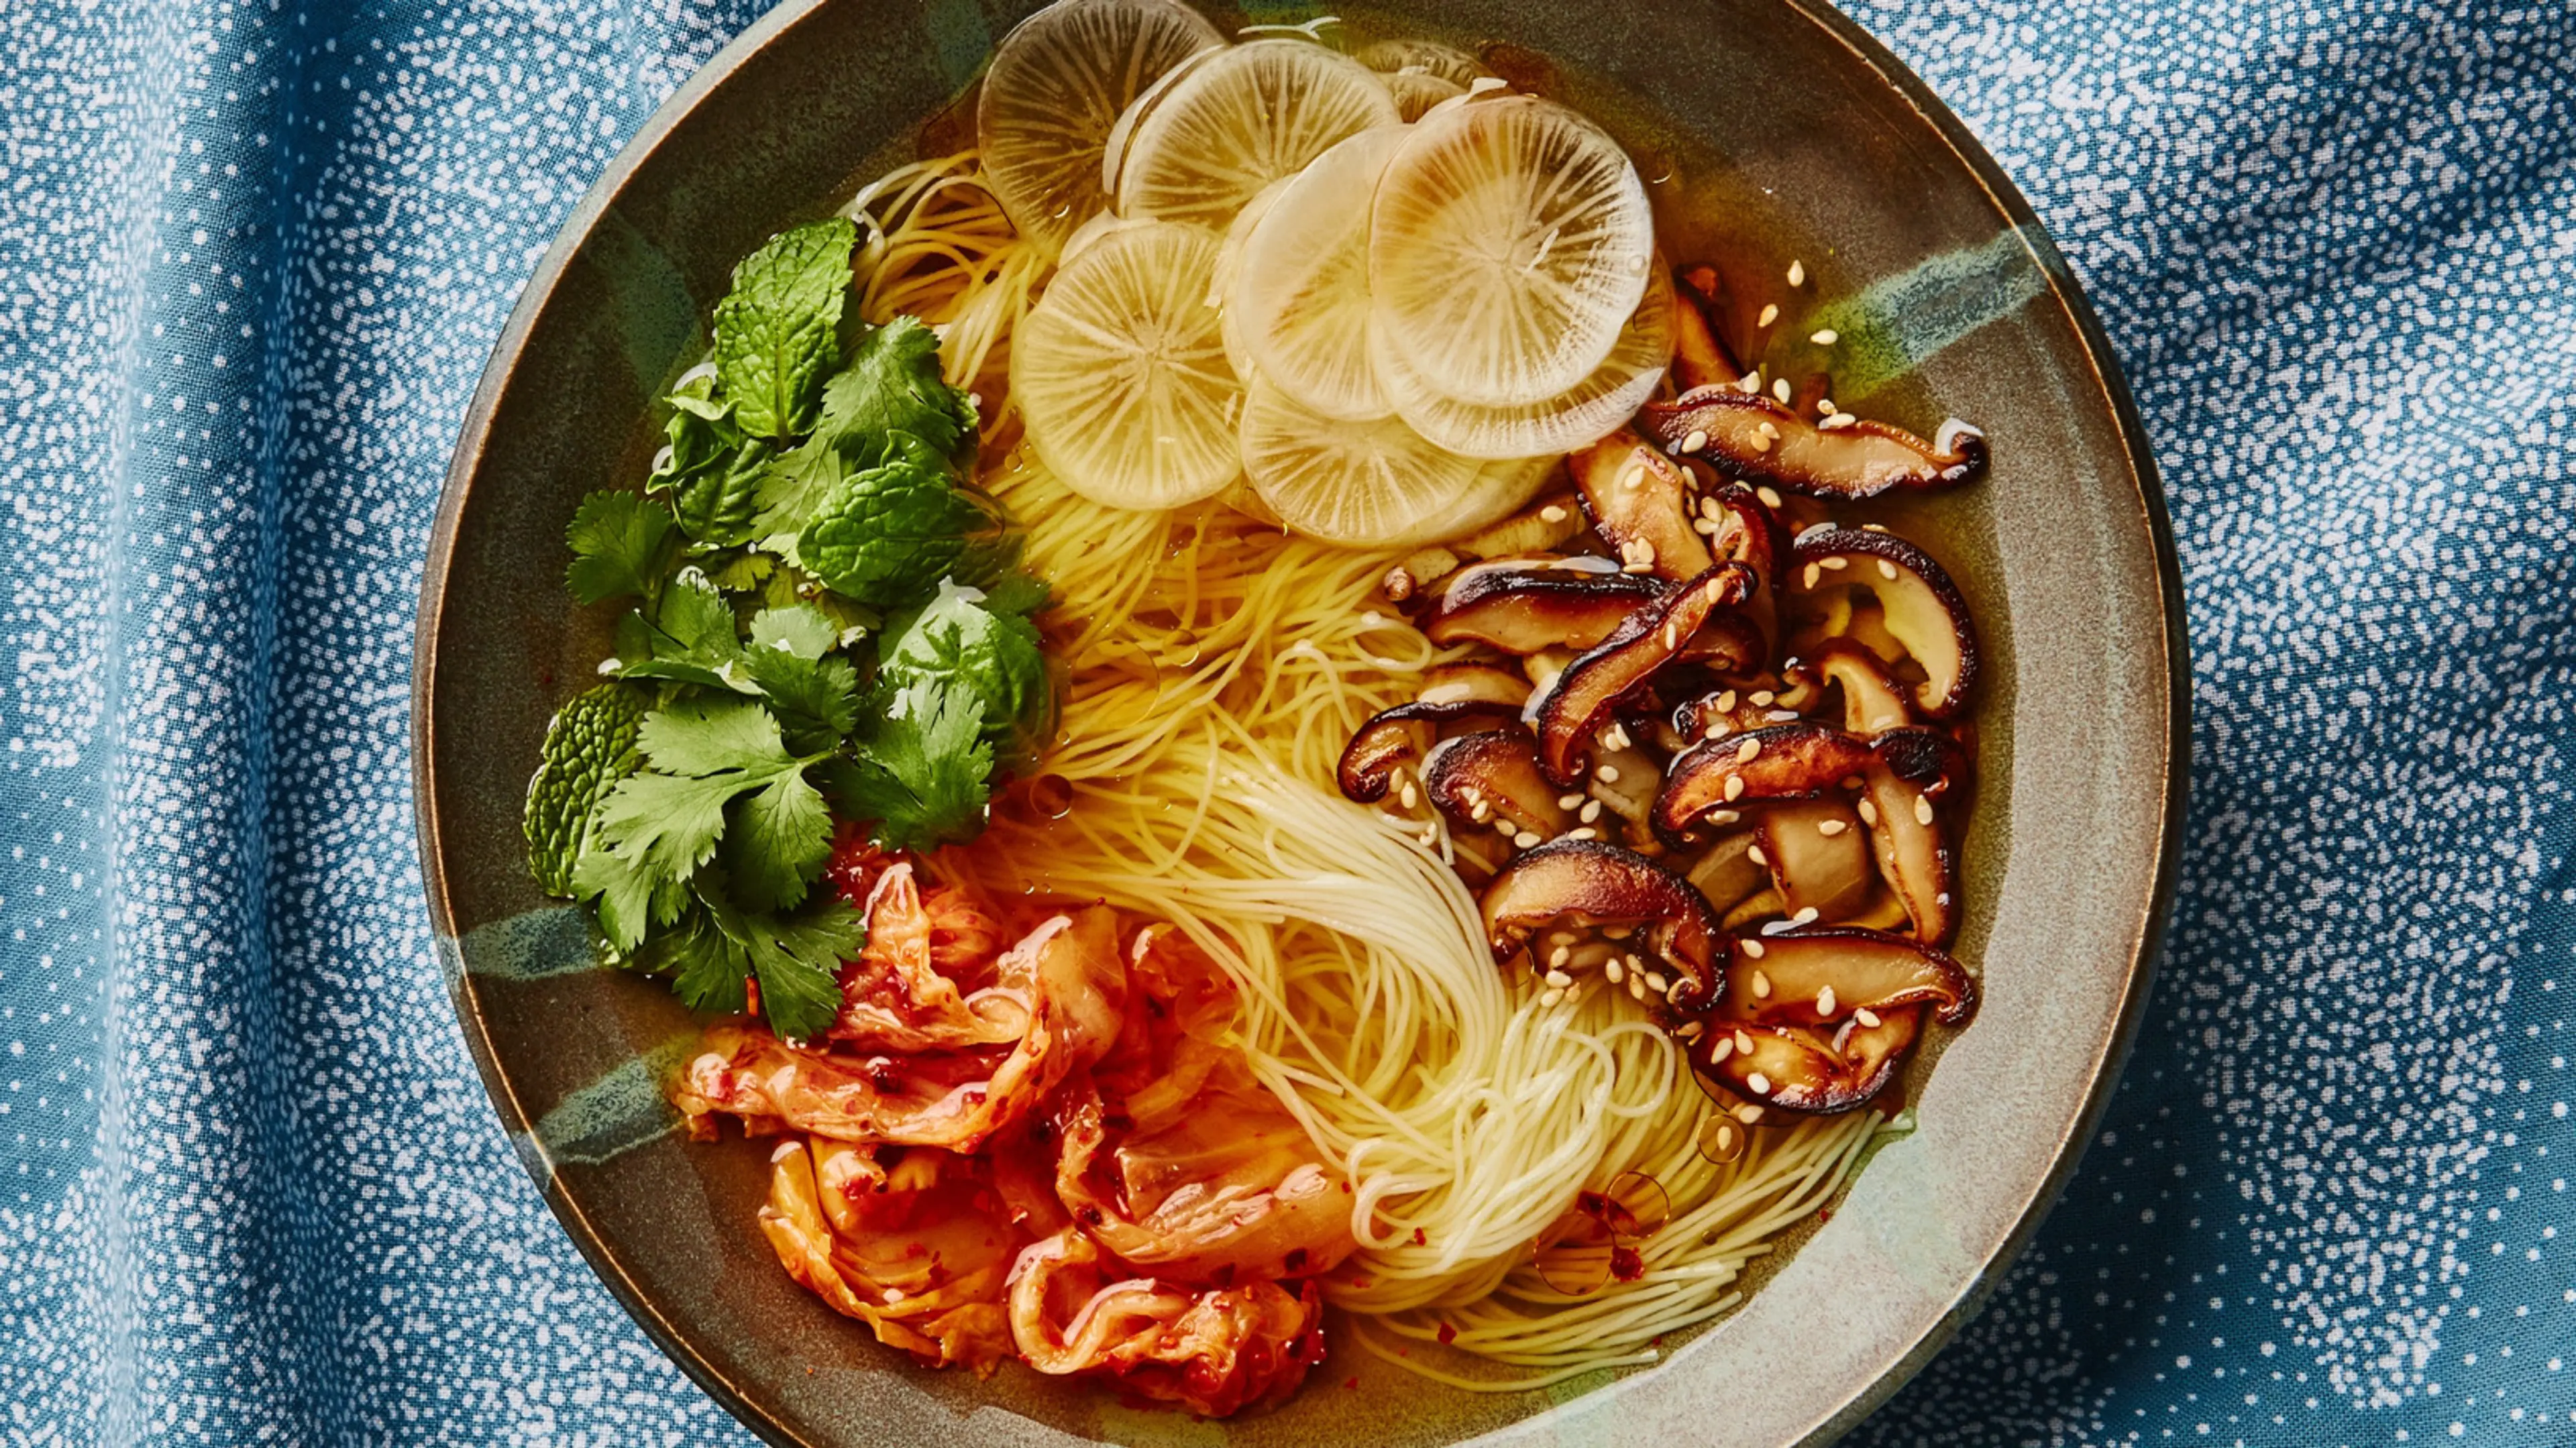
[
  {"x": 1420, "y": 1240},
  {"x": 1448, "y": 1334},
  {"x": 1350, "y": 1382}
]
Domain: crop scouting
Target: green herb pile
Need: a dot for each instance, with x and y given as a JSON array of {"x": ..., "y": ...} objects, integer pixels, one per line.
[{"x": 826, "y": 620}]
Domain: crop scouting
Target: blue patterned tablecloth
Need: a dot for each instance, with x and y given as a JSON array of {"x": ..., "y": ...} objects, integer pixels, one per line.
[{"x": 252, "y": 256}]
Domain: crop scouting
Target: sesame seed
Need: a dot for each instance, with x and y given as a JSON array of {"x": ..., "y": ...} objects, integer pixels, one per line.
[
  {"x": 1723, "y": 816},
  {"x": 1672, "y": 633},
  {"x": 1559, "y": 979},
  {"x": 1724, "y": 1137},
  {"x": 1837, "y": 422},
  {"x": 1636, "y": 988},
  {"x": 1825, "y": 337},
  {"x": 1812, "y": 574},
  {"x": 1797, "y": 273},
  {"x": 1636, "y": 963},
  {"x": 1748, "y": 1114},
  {"x": 1526, "y": 838},
  {"x": 1655, "y": 982},
  {"x": 1690, "y": 1031},
  {"x": 1762, "y": 698},
  {"x": 1780, "y": 716},
  {"x": 1780, "y": 390},
  {"x": 1804, "y": 917},
  {"x": 1825, "y": 407},
  {"x": 1825, "y": 1001},
  {"x": 1831, "y": 828},
  {"x": 1639, "y": 567},
  {"x": 1761, "y": 986},
  {"x": 1754, "y": 853},
  {"x": 1591, "y": 811},
  {"x": 1615, "y": 971},
  {"x": 1866, "y": 1017},
  {"x": 1760, "y": 1083},
  {"x": 1618, "y": 932},
  {"x": 1411, "y": 796},
  {"x": 1719, "y": 1052},
  {"x": 1761, "y": 443},
  {"x": 1569, "y": 801},
  {"x": 1769, "y": 496},
  {"x": 1704, "y": 527},
  {"x": 1745, "y": 751},
  {"x": 1607, "y": 774},
  {"x": 1743, "y": 1042},
  {"x": 1713, "y": 728},
  {"x": 1696, "y": 439},
  {"x": 1767, "y": 430},
  {"x": 1552, "y": 513},
  {"x": 1835, "y": 563},
  {"x": 1886, "y": 569},
  {"x": 1868, "y": 813},
  {"x": 1873, "y": 527},
  {"x": 1585, "y": 833},
  {"x": 1770, "y": 314},
  {"x": 1645, "y": 551},
  {"x": 1710, "y": 593},
  {"x": 1753, "y": 949},
  {"x": 1632, "y": 479},
  {"x": 1616, "y": 736},
  {"x": 1922, "y": 810},
  {"x": 1557, "y": 958},
  {"x": 1734, "y": 788},
  {"x": 1749, "y": 383},
  {"x": 1726, "y": 700},
  {"x": 1551, "y": 997},
  {"x": 1481, "y": 812}
]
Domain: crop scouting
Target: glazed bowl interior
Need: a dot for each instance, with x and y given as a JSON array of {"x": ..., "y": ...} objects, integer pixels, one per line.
[{"x": 1794, "y": 137}]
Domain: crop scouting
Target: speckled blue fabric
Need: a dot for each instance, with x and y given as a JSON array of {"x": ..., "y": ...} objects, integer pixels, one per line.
[{"x": 252, "y": 256}]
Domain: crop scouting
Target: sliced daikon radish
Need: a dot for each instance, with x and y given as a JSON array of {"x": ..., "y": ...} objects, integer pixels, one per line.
[
  {"x": 1240, "y": 121},
  {"x": 1369, "y": 484},
  {"x": 1120, "y": 374},
  {"x": 1510, "y": 245},
  {"x": 1423, "y": 57},
  {"x": 1585, "y": 413},
  {"x": 1417, "y": 91},
  {"x": 1229, "y": 265},
  {"x": 1113, "y": 154},
  {"x": 1101, "y": 224},
  {"x": 1300, "y": 294},
  {"x": 1058, "y": 82}
]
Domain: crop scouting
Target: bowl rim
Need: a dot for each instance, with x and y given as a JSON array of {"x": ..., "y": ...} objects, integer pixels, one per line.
[{"x": 675, "y": 111}]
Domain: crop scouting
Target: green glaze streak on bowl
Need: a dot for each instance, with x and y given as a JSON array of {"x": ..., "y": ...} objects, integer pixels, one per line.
[{"x": 1786, "y": 132}]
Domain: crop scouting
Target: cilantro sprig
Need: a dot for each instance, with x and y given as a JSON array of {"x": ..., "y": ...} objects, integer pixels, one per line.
[{"x": 823, "y": 624}]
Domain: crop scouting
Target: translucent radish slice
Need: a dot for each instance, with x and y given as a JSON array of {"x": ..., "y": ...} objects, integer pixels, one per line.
[
  {"x": 1242, "y": 120},
  {"x": 1113, "y": 154},
  {"x": 1229, "y": 265},
  {"x": 1057, "y": 84},
  {"x": 1300, "y": 294},
  {"x": 1121, "y": 376},
  {"x": 1585, "y": 413},
  {"x": 1510, "y": 244},
  {"x": 1370, "y": 484},
  {"x": 1417, "y": 91},
  {"x": 1423, "y": 57}
]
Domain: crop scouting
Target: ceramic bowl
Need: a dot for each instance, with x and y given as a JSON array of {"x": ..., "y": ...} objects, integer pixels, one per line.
[{"x": 1830, "y": 151}]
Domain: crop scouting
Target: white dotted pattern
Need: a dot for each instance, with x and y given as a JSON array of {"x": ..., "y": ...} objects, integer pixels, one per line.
[{"x": 255, "y": 254}]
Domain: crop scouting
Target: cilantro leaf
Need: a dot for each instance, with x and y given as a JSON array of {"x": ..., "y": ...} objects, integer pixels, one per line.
[
  {"x": 707, "y": 969},
  {"x": 797, "y": 959},
  {"x": 777, "y": 840},
  {"x": 695, "y": 641},
  {"x": 776, "y": 330},
  {"x": 816, "y": 699},
  {"x": 621, "y": 544},
  {"x": 922, "y": 772},
  {"x": 1017, "y": 592},
  {"x": 700, "y": 755},
  {"x": 892, "y": 389},
  {"x": 630, "y": 898},
  {"x": 997, "y": 657},
  {"x": 799, "y": 629},
  {"x": 887, "y": 534}
]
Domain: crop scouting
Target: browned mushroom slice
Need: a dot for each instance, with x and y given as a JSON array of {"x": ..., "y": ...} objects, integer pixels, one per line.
[
  {"x": 1782, "y": 761},
  {"x": 1739, "y": 530},
  {"x": 1752, "y": 438},
  {"x": 1394, "y": 738},
  {"x": 1920, "y": 607},
  {"x": 1639, "y": 502},
  {"x": 1587, "y": 883},
  {"x": 1825, "y": 977},
  {"x": 1725, "y": 873},
  {"x": 1700, "y": 358},
  {"x": 1803, "y": 1068},
  {"x": 1818, "y": 856},
  {"x": 1524, "y": 607},
  {"x": 1911, "y": 771},
  {"x": 1492, "y": 779},
  {"x": 1579, "y": 699},
  {"x": 1473, "y": 681},
  {"x": 1548, "y": 523},
  {"x": 1873, "y": 702}
]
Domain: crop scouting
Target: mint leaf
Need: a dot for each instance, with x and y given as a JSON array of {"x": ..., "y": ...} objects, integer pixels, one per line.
[
  {"x": 776, "y": 330},
  {"x": 886, "y": 535},
  {"x": 590, "y": 746},
  {"x": 621, "y": 544},
  {"x": 1018, "y": 593},
  {"x": 892, "y": 388},
  {"x": 718, "y": 504},
  {"x": 922, "y": 770}
]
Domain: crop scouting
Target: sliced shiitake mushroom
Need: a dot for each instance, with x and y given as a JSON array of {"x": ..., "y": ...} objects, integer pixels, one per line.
[
  {"x": 1752, "y": 438},
  {"x": 1579, "y": 699},
  {"x": 1780, "y": 761},
  {"x": 1394, "y": 738},
  {"x": 1725, "y": 872},
  {"x": 1548, "y": 523},
  {"x": 1805, "y": 1068},
  {"x": 1873, "y": 701},
  {"x": 1921, "y": 608},
  {"x": 1739, "y": 530},
  {"x": 1639, "y": 502},
  {"x": 1587, "y": 883},
  {"x": 1823, "y": 977},
  {"x": 1474, "y": 681},
  {"x": 1819, "y": 858},
  {"x": 1911, "y": 772},
  {"x": 1491, "y": 778},
  {"x": 1700, "y": 355},
  {"x": 1523, "y": 607}
]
